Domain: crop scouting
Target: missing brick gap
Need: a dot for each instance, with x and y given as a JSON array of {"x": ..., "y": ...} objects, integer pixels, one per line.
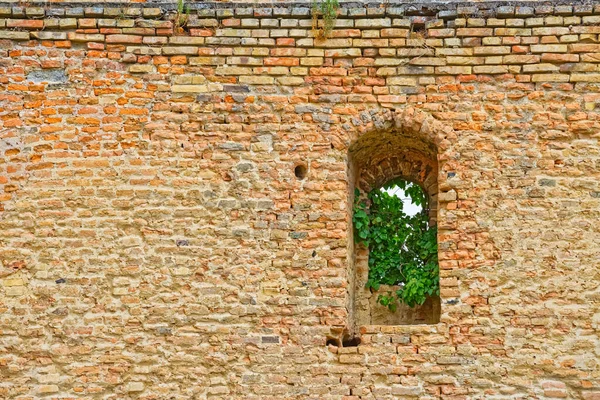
[{"x": 350, "y": 341}]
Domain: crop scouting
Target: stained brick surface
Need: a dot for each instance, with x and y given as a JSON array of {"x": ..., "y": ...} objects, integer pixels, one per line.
[{"x": 155, "y": 243}]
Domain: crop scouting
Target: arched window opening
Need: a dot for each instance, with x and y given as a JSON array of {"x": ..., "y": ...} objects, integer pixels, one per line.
[
  {"x": 394, "y": 247},
  {"x": 393, "y": 222}
]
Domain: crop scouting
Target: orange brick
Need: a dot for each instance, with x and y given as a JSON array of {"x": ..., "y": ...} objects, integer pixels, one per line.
[{"x": 25, "y": 23}]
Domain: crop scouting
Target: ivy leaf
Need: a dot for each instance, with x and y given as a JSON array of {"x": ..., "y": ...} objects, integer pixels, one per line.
[{"x": 402, "y": 248}]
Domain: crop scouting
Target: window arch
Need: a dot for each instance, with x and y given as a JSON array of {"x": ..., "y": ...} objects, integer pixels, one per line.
[{"x": 404, "y": 146}]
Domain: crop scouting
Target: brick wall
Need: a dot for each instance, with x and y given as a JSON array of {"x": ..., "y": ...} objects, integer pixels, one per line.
[{"x": 156, "y": 244}]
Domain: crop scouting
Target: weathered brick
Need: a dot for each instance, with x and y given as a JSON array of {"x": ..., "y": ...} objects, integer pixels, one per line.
[
  {"x": 256, "y": 80},
  {"x": 244, "y": 60},
  {"x": 140, "y": 68},
  {"x": 189, "y": 88},
  {"x": 585, "y": 78},
  {"x": 287, "y": 51},
  {"x": 207, "y": 60},
  {"x": 44, "y": 35},
  {"x": 589, "y": 57},
  {"x": 352, "y": 52},
  {"x": 14, "y": 35},
  {"x": 87, "y": 23},
  {"x": 512, "y": 31},
  {"x": 458, "y": 60},
  {"x": 124, "y": 39},
  {"x": 290, "y": 81},
  {"x": 25, "y": 23},
  {"x": 285, "y": 61},
  {"x": 521, "y": 59},
  {"x": 132, "y": 31},
  {"x": 586, "y": 30},
  {"x": 311, "y": 61},
  {"x": 186, "y": 40},
  {"x": 83, "y": 37},
  {"x": 547, "y": 31},
  {"x": 474, "y": 32},
  {"x": 401, "y": 81},
  {"x": 373, "y": 23},
  {"x": 491, "y": 50},
  {"x": 548, "y": 48},
  {"x": 454, "y": 51},
  {"x": 172, "y": 50},
  {"x": 394, "y": 32},
  {"x": 144, "y": 50},
  {"x": 550, "y": 78},
  {"x": 369, "y": 43},
  {"x": 135, "y": 387},
  {"x": 440, "y": 33},
  {"x": 453, "y": 70},
  {"x": 584, "y": 48},
  {"x": 155, "y": 40},
  {"x": 490, "y": 69},
  {"x": 540, "y": 68},
  {"x": 560, "y": 58},
  {"x": 48, "y": 389},
  {"x": 148, "y": 12},
  {"x": 428, "y": 61}
]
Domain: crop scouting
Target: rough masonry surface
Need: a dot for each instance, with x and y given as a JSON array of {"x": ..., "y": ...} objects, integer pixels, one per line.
[{"x": 156, "y": 244}]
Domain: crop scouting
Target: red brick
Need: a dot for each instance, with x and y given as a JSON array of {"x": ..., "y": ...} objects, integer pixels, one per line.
[
  {"x": 201, "y": 32},
  {"x": 229, "y": 22},
  {"x": 285, "y": 61},
  {"x": 285, "y": 42},
  {"x": 328, "y": 71},
  {"x": 346, "y": 33},
  {"x": 560, "y": 58},
  {"x": 25, "y": 23}
]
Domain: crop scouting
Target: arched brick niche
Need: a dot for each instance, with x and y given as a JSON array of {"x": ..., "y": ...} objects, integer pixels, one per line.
[
  {"x": 408, "y": 164},
  {"x": 402, "y": 145}
]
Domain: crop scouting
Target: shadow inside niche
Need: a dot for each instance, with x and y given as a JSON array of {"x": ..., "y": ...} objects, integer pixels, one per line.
[{"x": 350, "y": 341}]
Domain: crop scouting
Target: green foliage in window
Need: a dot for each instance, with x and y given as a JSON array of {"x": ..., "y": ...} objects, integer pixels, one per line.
[{"x": 402, "y": 248}]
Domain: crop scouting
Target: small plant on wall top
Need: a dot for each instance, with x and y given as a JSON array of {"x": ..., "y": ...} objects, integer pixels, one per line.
[
  {"x": 402, "y": 247},
  {"x": 182, "y": 17},
  {"x": 327, "y": 10}
]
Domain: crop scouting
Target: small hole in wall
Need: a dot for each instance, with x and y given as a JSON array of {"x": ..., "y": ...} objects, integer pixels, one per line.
[
  {"x": 300, "y": 171},
  {"x": 332, "y": 342},
  {"x": 350, "y": 341},
  {"x": 418, "y": 31}
]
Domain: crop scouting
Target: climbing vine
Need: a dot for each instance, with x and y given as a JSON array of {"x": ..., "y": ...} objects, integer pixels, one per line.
[
  {"x": 402, "y": 248},
  {"x": 327, "y": 9}
]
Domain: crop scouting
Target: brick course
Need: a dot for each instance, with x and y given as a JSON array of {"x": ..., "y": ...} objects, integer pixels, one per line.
[{"x": 155, "y": 243}]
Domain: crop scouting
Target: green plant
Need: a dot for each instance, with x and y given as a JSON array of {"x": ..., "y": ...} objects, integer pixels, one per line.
[
  {"x": 328, "y": 10},
  {"x": 182, "y": 16},
  {"x": 402, "y": 248}
]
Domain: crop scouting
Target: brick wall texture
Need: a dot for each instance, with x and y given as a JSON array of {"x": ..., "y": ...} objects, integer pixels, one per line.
[{"x": 156, "y": 244}]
